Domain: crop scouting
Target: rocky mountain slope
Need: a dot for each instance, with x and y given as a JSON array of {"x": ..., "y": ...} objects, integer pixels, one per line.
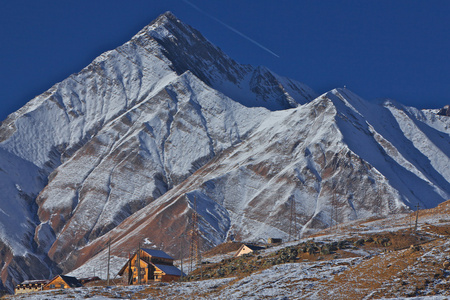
[
  {"x": 122, "y": 150},
  {"x": 299, "y": 155}
]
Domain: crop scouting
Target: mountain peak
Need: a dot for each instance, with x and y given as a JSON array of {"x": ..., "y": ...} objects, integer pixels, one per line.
[
  {"x": 185, "y": 48},
  {"x": 168, "y": 16}
]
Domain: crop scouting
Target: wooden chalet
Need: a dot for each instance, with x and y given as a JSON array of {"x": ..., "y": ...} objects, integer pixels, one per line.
[
  {"x": 29, "y": 286},
  {"x": 247, "y": 248},
  {"x": 62, "y": 282},
  {"x": 154, "y": 265}
]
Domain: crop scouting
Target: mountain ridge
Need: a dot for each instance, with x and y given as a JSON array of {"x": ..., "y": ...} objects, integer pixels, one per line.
[
  {"x": 259, "y": 210},
  {"x": 128, "y": 143}
]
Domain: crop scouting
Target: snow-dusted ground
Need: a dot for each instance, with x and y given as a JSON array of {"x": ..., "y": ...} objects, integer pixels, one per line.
[
  {"x": 287, "y": 280},
  {"x": 332, "y": 279}
]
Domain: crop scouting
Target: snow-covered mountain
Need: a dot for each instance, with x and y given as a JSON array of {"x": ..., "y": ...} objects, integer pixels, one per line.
[
  {"x": 123, "y": 148},
  {"x": 328, "y": 156}
]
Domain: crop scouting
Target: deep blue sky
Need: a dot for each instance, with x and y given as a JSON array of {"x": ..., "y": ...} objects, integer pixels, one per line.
[{"x": 398, "y": 49}]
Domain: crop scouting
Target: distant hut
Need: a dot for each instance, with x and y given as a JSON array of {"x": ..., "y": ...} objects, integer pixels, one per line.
[
  {"x": 247, "y": 248},
  {"x": 154, "y": 265},
  {"x": 275, "y": 241},
  {"x": 62, "y": 282},
  {"x": 29, "y": 286}
]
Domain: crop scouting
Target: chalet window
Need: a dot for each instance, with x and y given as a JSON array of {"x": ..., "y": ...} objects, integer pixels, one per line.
[
  {"x": 62, "y": 285},
  {"x": 52, "y": 286}
]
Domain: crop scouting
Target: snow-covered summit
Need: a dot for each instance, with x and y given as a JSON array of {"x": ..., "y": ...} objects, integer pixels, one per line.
[{"x": 187, "y": 49}]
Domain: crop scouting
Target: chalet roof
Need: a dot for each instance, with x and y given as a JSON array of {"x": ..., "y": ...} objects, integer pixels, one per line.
[
  {"x": 151, "y": 252},
  {"x": 250, "y": 246},
  {"x": 39, "y": 281},
  {"x": 71, "y": 281},
  {"x": 157, "y": 253},
  {"x": 127, "y": 264},
  {"x": 254, "y": 247},
  {"x": 169, "y": 270}
]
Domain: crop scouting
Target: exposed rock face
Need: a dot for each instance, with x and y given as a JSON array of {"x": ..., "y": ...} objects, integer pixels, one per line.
[
  {"x": 123, "y": 148},
  {"x": 137, "y": 158},
  {"x": 445, "y": 111},
  {"x": 186, "y": 49}
]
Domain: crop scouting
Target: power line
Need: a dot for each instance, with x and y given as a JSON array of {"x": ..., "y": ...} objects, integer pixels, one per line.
[
  {"x": 292, "y": 219},
  {"x": 417, "y": 216},
  {"x": 109, "y": 259},
  {"x": 195, "y": 258}
]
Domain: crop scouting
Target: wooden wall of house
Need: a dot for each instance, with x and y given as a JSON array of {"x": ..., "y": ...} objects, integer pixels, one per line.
[
  {"x": 163, "y": 277},
  {"x": 158, "y": 260},
  {"x": 146, "y": 273},
  {"x": 145, "y": 256},
  {"x": 169, "y": 278},
  {"x": 244, "y": 250},
  {"x": 27, "y": 288},
  {"x": 57, "y": 283}
]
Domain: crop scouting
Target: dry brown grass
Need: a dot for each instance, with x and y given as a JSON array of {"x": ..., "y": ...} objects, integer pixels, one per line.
[
  {"x": 396, "y": 240},
  {"x": 395, "y": 274},
  {"x": 441, "y": 229},
  {"x": 223, "y": 248}
]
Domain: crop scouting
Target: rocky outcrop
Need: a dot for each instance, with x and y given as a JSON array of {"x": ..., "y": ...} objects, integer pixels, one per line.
[{"x": 445, "y": 111}]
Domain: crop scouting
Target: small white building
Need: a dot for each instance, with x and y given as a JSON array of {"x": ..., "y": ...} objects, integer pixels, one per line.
[{"x": 247, "y": 248}]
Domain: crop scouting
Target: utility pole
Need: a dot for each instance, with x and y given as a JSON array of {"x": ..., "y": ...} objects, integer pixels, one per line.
[
  {"x": 130, "y": 271},
  {"x": 292, "y": 219},
  {"x": 138, "y": 262},
  {"x": 417, "y": 217},
  {"x": 181, "y": 256},
  {"x": 194, "y": 251},
  {"x": 411, "y": 216},
  {"x": 109, "y": 258},
  {"x": 334, "y": 211}
]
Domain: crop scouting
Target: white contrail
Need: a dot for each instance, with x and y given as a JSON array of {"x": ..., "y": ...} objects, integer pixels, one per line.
[{"x": 229, "y": 27}]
